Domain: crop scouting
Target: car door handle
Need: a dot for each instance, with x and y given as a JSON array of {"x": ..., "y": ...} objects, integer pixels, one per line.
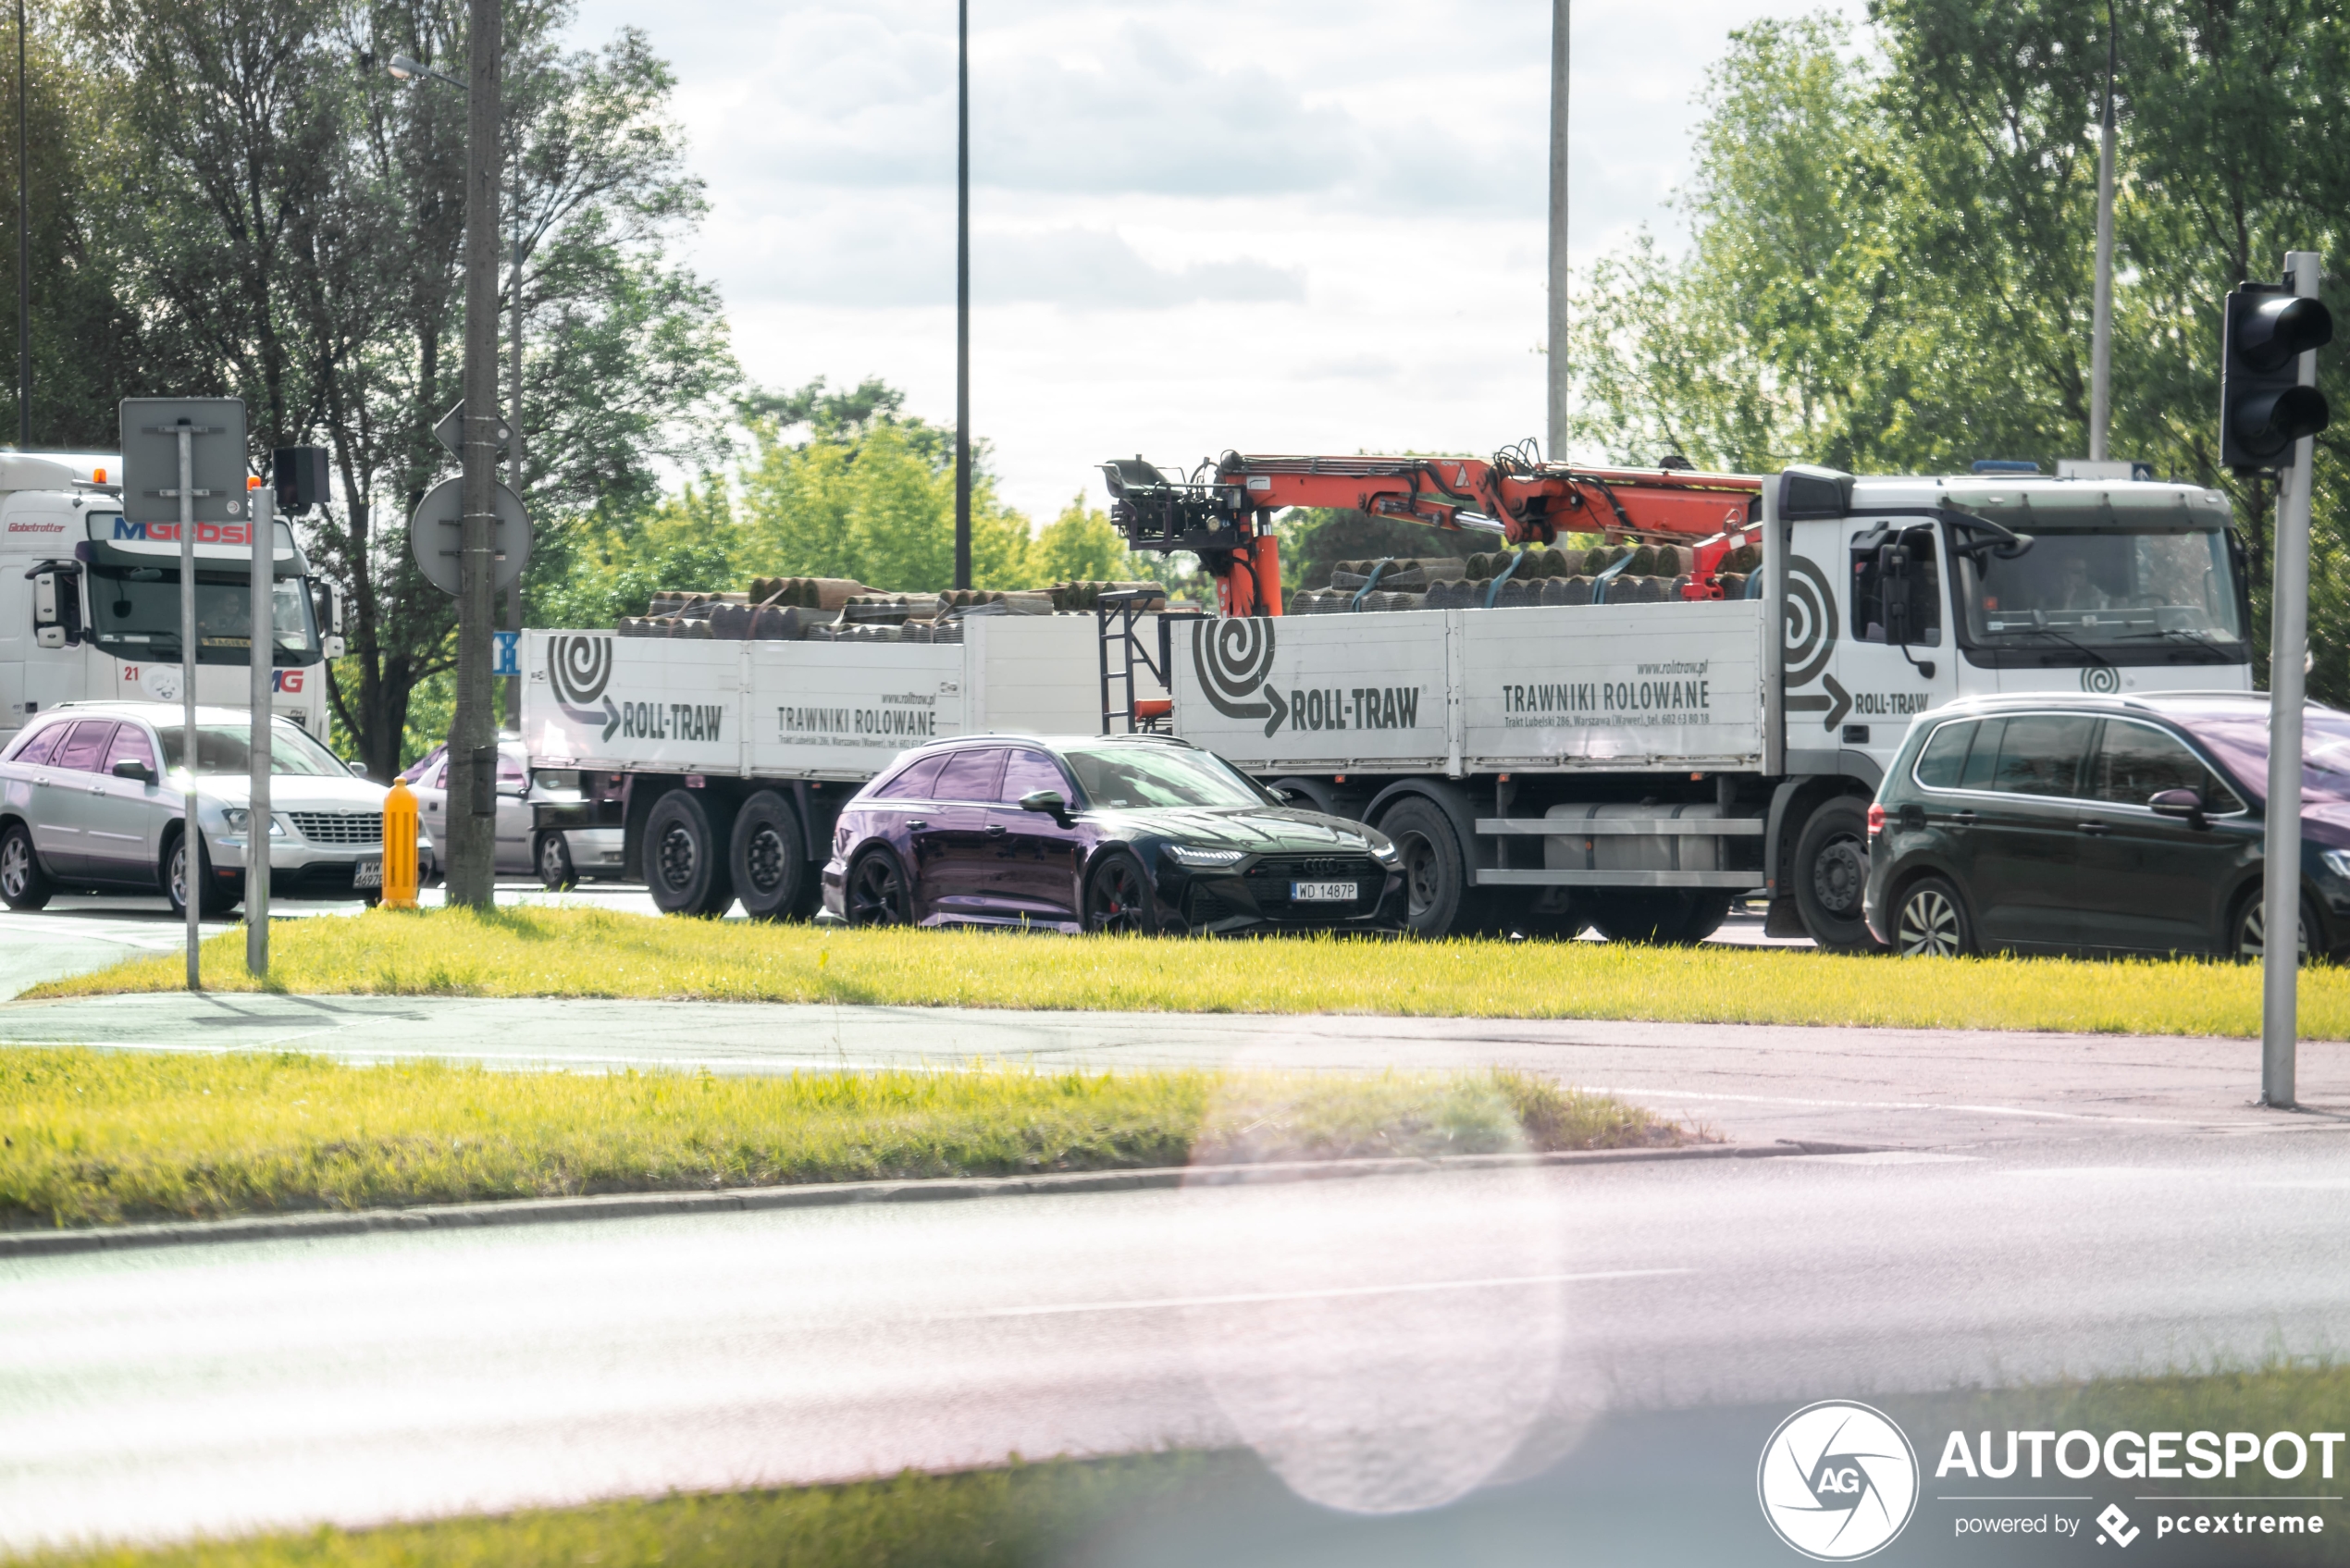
[
  {"x": 997, "y": 830},
  {"x": 917, "y": 825},
  {"x": 1964, "y": 818},
  {"x": 2095, "y": 829}
]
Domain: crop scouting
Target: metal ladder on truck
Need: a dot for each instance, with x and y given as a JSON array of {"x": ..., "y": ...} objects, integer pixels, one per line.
[{"x": 1122, "y": 648}]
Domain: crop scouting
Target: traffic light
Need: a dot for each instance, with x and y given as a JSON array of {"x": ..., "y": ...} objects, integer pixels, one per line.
[
  {"x": 2263, "y": 407},
  {"x": 301, "y": 475}
]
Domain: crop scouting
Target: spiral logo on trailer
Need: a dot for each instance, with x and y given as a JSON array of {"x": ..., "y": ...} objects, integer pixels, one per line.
[
  {"x": 1234, "y": 658},
  {"x": 1838, "y": 1481},
  {"x": 2102, "y": 679},
  {"x": 1810, "y": 642},
  {"x": 579, "y": 668}
]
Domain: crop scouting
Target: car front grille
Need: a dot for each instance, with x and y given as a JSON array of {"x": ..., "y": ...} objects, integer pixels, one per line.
[
  {"x": 1268, "y": 883},
  {"x": 339, "y": 827}
]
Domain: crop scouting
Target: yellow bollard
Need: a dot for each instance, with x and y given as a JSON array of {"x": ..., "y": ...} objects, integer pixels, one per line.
[{"x": 400, "y": 848}]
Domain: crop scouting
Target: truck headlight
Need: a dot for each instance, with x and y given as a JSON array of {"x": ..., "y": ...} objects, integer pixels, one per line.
[{"x": 1203, "y": 859}]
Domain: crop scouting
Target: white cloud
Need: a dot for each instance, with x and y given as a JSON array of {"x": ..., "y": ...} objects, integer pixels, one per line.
[{"x": 1307, "y": 225}]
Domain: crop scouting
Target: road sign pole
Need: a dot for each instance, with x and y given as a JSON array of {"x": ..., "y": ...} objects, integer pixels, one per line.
[
  {"x": 2288, "y": 648},
  {"x": 190, "y": 835},
  {"x": 264, "y": 530}
]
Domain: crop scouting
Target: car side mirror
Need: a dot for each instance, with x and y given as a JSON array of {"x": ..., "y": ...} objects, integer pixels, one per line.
[
  {"x": 131, "y": 768},
  {"x": 2183, "y": 804},
  {"x": 357, "y": 767},
  {"x": 1049, "y": 801}
]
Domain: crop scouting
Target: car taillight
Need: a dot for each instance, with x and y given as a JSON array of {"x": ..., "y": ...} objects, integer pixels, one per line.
[{"x": 1876, "y": 818}]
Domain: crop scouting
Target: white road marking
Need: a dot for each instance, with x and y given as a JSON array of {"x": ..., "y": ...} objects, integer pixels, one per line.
[{"x": 1167, "y": 1302}]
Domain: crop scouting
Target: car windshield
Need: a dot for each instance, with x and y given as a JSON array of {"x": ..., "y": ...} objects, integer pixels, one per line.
[
  {"x": 2243, "y": 745},
  {"x": 226, "y": 748},
  {"x": 2100, "y": 575},
  {"x": 1156, "y": 775}
]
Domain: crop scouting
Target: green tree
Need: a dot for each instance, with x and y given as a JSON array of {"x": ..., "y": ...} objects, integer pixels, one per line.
[
  {"x": 1080, "y": 544},
  {"x": 1891, "y": 254}
]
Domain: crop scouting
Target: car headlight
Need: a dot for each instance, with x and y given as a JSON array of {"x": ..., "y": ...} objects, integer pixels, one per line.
[
  {"x": 236, "y": 817},
  {"x": 1202, "y": 859},
  {"x": 2338, "y": 862},
  {"x": 1386, "y": 853}
]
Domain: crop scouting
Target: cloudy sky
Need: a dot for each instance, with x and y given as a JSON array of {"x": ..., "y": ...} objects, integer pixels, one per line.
[{"x": 1277, "y": 226}]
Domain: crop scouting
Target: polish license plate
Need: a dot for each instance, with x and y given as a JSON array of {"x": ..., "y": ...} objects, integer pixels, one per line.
[
  {"x": 1322, "y": 892},
  {"x": 368, "y": 873}
]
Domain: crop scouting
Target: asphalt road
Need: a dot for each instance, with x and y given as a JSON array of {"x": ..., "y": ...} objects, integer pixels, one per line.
[
  {"x": 2058, "y": 1206},
  {"x": 1383, "y": 1343}
]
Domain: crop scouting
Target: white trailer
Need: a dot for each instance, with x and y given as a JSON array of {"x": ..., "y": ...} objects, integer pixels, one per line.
[{"x": 769, "y": 738}]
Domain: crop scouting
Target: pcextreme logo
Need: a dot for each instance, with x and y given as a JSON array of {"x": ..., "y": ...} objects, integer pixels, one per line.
[{"x": 1837, "y": 1481}]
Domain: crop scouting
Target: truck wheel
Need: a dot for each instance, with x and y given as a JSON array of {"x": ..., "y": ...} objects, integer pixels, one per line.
[
  {"x": 768, "y": 858},
  {"x": 685, "y": 854},
  {"x": 553, "y": 860},
  {"x": 1831, "y": 873},
  {"x": 1665, "y": 916},
  {"x": 22, "y": 882},
  {"x": 1437, "y": 898}
]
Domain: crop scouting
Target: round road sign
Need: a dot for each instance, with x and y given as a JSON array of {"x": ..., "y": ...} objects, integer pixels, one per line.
[{"x": 435, "y": 530}]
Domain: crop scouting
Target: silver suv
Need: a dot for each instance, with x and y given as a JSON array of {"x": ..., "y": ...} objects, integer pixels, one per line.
[{"x": 92, "y": 796}]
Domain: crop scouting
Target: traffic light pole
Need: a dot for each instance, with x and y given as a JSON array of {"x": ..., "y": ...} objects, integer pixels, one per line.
[{"x": 2288, "y": 649}]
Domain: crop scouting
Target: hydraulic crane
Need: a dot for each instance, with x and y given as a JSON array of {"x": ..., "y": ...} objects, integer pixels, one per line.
[{"x": 1224, "y": 513}]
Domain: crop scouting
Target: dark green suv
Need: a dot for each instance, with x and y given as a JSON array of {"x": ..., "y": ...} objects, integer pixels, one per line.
[{"x": 2100, "y": 824}]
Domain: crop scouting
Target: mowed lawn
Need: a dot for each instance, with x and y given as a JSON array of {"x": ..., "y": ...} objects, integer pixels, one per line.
[
  {"x": 91, "y": 1137},
  {"x": 571, "y": 951}
]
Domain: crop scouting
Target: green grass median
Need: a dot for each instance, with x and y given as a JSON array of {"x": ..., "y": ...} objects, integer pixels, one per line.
[
  {"x": 99, "y": 1137},
  {"x": 570, "y": 952}
]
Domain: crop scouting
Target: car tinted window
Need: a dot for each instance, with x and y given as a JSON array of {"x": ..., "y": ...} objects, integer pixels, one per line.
[
  {"x": 226, "y": 748},
  {"x": 912, "y": 782},
  {"x": 36, "y": 748},
  {"x": 1028, "y": 772},
  {"x": 970, "y": 775},
  {"x": 130, "y": 744},
  {"x": 513, "y": 769},
  {"x": 2041, "y": 754},
  {"x": 86, "y": 748},
  {"x": 1944, "y": 759},
  {"x": 2135, "y": 762},
  {"x": 1983, "y": 757}
]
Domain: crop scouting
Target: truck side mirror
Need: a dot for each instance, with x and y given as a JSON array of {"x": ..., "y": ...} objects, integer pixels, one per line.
[{"x": 1893, "y": 589}]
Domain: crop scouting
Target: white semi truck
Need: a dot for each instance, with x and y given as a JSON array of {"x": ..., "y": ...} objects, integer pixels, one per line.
[
  {"x": 1634, "y": 766},
  {"x": 90, "y": 604}
]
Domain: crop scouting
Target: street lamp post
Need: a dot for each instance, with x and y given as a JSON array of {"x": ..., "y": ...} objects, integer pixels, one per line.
[{"x": 962, "y": 293}]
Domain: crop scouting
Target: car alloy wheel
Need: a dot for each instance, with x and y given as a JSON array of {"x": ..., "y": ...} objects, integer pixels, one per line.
[
  {"x": 1930, "y": 925},
  {"x": 554, "y": 864},
  {"x": 2252, "y": 931},
  {"x": 176, "y": 874},
  {"x": 876, "y": 892},
  {"x": 15, "y": 868},
  {"x": 1118, "y": 899}
]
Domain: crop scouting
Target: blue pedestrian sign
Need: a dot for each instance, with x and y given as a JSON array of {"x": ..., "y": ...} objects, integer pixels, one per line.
[{"x": 509, "y": 654}]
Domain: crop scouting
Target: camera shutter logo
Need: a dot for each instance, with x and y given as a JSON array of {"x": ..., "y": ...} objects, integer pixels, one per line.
[
  {"x": 579, "y": 668},
  {"x": 1234, "y": 658},
  {"x": 1838, "y": 1481}
]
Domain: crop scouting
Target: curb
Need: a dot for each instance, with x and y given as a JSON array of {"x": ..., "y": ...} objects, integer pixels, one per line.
[{"x": 832, "y": 1194}]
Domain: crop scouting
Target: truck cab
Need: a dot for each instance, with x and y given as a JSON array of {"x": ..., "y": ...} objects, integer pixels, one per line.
[
  {"x": 1903, "y": 594},
  {"x": 89, "y": 604}
]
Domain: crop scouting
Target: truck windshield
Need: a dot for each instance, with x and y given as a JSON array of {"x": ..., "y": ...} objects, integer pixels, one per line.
[
  {"x": 228, "y": 748},
  {"x": 2102, "y": 582},
  {"x": 136, "y": 615}
]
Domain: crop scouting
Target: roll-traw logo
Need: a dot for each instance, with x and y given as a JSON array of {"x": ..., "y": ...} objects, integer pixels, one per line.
[
  {"x": 579, "y": 668},
  {"x": 1234, "y": 658}
]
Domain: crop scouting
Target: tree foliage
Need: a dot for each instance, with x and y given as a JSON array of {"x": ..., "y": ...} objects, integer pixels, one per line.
[{"x": 1893, "y": 251}]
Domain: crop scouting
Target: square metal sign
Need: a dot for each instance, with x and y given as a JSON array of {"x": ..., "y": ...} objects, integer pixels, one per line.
[{"x": 151, "y": 459}]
